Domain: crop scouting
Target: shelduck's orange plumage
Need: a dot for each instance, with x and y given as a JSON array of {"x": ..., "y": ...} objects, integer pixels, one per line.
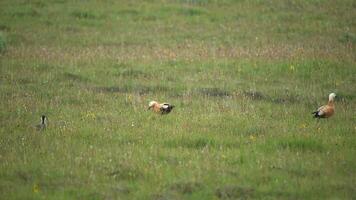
[
  {"x": 162, "y": 108},
  {"x": 327, "y": 110}
]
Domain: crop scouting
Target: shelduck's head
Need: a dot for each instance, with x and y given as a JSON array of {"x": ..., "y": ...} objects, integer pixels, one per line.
[
  {"x": 332, "y": 96},
  {"x": 151, "y": 104},
  {"x": 43, "y": 119}
]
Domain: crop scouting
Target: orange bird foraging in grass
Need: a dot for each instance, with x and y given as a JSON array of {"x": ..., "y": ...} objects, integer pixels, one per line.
[
  {"x": 162, "y": 108},
  {"x": 327, "y": 110}
]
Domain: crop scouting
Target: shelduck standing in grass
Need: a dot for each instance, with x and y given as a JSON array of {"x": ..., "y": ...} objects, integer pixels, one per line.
[
  {"x": 43, "y": 123},
  {"x": 327, "y": 110},
  {"x": 162, "y": 108}
]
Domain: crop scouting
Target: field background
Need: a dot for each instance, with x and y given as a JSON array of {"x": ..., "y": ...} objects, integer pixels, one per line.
[{"x": 244, "y": 76}]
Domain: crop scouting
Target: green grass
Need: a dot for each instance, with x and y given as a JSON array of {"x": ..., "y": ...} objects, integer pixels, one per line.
[
  {"x": 244, "y": 76},
  {"x": 2, "y": 43}
]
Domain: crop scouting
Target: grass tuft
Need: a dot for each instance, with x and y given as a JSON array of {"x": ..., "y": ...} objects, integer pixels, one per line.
[
  {"x": 192, "y": 11},
  {"x": 84, "y": 15},
  {"x": 2, "y": 43},
  {"x": 301, "y": 145},
  {"x": 4, "y": 27},
  {"x": 348, "y": 38}
]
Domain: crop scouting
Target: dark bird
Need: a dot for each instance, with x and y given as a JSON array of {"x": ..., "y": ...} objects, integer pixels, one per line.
[{"x": 43, "y": 123}]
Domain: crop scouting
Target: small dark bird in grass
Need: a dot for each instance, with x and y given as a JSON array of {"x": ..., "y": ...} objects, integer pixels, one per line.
[
  {"x": 43, "y": 124},
  {"x": 327, "y": 110},
  {"x": 162, "y": 108}
]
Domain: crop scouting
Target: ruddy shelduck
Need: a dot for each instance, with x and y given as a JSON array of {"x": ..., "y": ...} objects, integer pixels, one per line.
[
  {"x": 327, "y": 110},
  {"x": 162, "y": 108}
]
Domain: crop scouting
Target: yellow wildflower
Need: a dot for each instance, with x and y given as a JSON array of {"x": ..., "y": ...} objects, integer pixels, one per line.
[
  {"x": 36, "y": 188},
  {"x": 252, "y": 138},
  {"x": 90, "y": 115}
]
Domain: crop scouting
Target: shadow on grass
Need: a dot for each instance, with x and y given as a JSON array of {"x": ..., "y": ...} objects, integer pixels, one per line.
[
  {"x": 166, "y": 196},
  {"x": 2, "y": 43},
  {"x": 176, "y": 190},
  {"x": 4, "y": 27},
  {"x": 345, "y": 97},
  {"x": 198, "y": 143},
  {"x": 27, "y": 13},
  {"x": 185, "y": 187},
  {"x": 128, "y": 141},
  {"x": 213, "y": 92},
  {"x": 24, "y": 81},
  {"x": 126, "y": 172},
  {"x": 348, "y": 38},
  {"x": 191, "y": 11},
  {"x": 75, "y": 77},
  {"x": 127, "y": 12},
  {"x": 132, "y": 73},
  {"x": 234, "y": 192},
  {"x": 280, "y": 99},
  {"x": 85, "y": 15},
  {"x": 299, "y": 172},
  {"x": 139, "y": 89},
  {"x": 26, "y": 177},
  {"x": 254, "y": 95}
]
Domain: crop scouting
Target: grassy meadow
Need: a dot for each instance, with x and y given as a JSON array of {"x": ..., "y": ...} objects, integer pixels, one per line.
[{"x": 244, "y": 77}]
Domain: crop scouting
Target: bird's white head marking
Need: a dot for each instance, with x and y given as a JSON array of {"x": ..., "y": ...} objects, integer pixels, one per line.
[
  {"x": 152, "y": 103},
  {"x": 332, "y": 96}
]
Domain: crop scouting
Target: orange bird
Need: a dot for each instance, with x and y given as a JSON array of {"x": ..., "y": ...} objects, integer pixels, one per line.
[
  {"x": 327, "y": 110},
  {"x": 162, "y": 108}
]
